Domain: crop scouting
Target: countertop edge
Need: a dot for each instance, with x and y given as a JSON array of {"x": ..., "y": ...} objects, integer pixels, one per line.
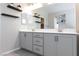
[{"x": 72, "y": 33}]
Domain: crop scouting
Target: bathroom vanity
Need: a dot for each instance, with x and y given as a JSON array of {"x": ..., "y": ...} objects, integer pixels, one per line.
[{"x": 49, "y": 42}]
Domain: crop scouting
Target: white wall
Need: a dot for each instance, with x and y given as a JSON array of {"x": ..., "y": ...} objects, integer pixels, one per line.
[{"x": 9, "y": 30}]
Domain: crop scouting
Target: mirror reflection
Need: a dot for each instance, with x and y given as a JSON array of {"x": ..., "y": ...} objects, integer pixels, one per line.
[{"x": 48, "y": 16}]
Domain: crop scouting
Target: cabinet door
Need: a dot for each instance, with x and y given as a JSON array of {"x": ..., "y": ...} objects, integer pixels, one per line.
[
  {"x": 50, "y": 45},
  {"x": 22, "y": 39},
  {"x": 65, "y": 45},
  {"x": 28, "y": 41}
]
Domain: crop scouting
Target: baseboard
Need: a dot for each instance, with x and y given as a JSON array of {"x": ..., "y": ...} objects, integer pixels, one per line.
[{"x": 9, "y": 51}]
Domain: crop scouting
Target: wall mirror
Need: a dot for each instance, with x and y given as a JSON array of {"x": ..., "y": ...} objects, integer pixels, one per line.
[
  {"x": 59, "y": 21},
  {"x": 50, "y": 11}
]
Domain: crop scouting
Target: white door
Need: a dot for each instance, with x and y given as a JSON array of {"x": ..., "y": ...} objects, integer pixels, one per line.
[
  {"x": 65, "y": 45},
  {"x": 50, "y": 45},
  {"x": 28, "y": 41}
]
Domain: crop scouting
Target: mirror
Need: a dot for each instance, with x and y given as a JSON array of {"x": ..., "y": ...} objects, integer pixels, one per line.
[
  {"x": 59, "y": 22},
  {"x": 53, "y": 13},
  {"x": 64, "y": 10}
]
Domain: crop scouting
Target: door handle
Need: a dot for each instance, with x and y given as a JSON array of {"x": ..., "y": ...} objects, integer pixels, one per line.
[
  {"x": 24, "y": 34},
  {"x": 56, "y": 38}
]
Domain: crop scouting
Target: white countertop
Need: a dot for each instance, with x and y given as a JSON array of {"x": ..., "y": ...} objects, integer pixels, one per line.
[{"x": 65, "y": 31}]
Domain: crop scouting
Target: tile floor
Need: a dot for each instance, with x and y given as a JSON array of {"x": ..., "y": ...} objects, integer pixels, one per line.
[{"x": 21, "y": 52}]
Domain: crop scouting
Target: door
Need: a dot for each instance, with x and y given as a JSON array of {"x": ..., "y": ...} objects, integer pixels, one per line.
[
  {"x": 65, "y": 45},
  {"x": 50, "y": 45}
]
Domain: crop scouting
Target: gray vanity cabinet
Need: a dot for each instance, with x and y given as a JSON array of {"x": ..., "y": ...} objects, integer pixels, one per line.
[
  {"x": 59, "y": 45},
  {"x": 49, "y": 44}
]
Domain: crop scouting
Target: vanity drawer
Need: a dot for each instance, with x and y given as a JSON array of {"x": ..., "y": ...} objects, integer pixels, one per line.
[
  {"x": 38, "y": 41},
  {"x": 38, "y": 35},
  {"x": 38, "y": 49}
]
